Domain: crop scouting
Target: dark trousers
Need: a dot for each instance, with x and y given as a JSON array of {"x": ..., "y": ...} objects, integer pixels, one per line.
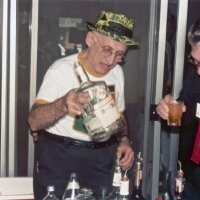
[{"x": 55, "y": 161}]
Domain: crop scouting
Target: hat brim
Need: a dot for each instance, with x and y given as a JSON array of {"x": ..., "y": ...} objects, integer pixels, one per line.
[{"x": 125, "y": 40}]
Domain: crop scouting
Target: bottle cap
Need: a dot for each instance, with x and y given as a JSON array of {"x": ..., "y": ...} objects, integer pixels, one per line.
[{"x": 50, "y": 188}]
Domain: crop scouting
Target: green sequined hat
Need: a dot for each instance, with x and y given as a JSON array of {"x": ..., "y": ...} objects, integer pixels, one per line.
[{"x": 116, "y": 26}]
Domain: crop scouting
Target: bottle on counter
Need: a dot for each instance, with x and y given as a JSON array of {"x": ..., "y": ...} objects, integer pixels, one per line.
[
  {"x": 113, "y": 195},
  {"x": 50, "y": 193},
  {"x": 165, "y": 193},
  {"x": 137, "y": 182},
  {"x": 124, "y": 188},
  {"x": 180, "y": 182},
  {"x": 72, "y": 188},
  {"x": 101, "y": 116},
  {"x": 85, "y": 194}
]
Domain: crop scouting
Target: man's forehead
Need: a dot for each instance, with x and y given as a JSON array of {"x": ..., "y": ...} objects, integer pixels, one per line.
[{"x": 110, "y": 42}]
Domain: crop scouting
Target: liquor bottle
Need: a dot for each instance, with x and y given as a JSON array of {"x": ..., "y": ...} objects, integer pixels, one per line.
[
  {"x": 165, "y": 193},
  {"x": 50, "y": 193},
  {"x": 101, "y": 117},
  {"x": 180, "y": 182},
  {"x": 113, "y": 195},
  {"x": 85, "y": 194},
  {"x": 124, "y": 188},
  {"x": 72, "y": 188},
  {"x": 137, "y": 182}
]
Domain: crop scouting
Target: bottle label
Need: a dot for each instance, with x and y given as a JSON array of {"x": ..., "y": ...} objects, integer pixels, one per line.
[
  {"x": 138, "y": 178},
  {"x": 106, "y": 111},
  {"x": 73, "y": 185},
  {"x": 117, "y": 179},
  {"x": 179, "y": 186},
  {"x": 81, "y": 75},
  {"x": 92, "y": 123},
  {"x": 124, "y": 188}
]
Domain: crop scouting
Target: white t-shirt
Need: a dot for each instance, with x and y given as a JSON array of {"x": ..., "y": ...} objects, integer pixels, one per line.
[{"x": 61, "y": 77}]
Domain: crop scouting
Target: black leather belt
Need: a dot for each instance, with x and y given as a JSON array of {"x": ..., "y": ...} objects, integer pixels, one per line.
[{"x": 80, "y": 143}]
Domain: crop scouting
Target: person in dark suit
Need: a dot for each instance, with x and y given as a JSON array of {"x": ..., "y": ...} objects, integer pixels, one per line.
[{"x": 190, "y": 94}]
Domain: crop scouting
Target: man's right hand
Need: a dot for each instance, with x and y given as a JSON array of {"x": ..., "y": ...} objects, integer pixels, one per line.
[
  {"x": 162, "y": 107},
  {"x": 75, "y": 102}
]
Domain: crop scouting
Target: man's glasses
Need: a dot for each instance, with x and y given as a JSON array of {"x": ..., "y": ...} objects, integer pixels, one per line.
[
  {"x": 108, "y": 51},
  {"x": 193, "y": 61}
]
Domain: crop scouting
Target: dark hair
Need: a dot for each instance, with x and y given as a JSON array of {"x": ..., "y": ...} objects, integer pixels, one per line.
[{"x": 194, "y": 33}]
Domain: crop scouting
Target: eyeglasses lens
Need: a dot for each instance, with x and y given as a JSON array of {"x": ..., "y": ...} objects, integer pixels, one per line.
[{"x": 108, "y": 51}]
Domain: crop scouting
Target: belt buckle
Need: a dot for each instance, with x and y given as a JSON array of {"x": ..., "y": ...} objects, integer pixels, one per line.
[
  {"x": 92, "y": 145},
  {"x": 78, "y": 143}
]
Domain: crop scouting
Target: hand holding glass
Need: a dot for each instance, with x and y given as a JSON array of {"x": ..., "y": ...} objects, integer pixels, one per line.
[{"x": 175, "y": 112}]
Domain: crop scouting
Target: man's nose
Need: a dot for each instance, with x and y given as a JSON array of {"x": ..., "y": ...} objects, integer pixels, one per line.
[{"x": 110, "y": 59}]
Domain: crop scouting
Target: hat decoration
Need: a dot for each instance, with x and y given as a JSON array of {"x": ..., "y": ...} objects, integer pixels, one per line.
[{"x": 116, "y": 26}]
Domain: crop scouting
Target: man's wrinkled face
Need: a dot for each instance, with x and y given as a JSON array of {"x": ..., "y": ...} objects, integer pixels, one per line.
[
  {"x": 194, "y": 58},
  {"x": 104, "y": 53}
]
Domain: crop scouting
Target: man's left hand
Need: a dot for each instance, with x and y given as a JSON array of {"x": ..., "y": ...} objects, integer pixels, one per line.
[{"x": 126, "y": 154}]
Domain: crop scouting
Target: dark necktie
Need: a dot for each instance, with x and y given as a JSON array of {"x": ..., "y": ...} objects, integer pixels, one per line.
[{"x": 196, "y": 150}]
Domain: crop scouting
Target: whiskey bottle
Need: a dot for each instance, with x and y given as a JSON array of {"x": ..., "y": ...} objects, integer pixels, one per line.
[
  {"x": 101, "y": 117},
  {"x": 72, "y": 188},
  {"x": 137, "y": 182},
  {"x": 113, "y": 195},
  {"x": 180, "y": 182},
  {"x": 124, "y": 188}
]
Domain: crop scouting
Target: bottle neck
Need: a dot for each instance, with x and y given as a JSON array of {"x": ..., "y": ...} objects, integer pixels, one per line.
[
  {"x": 81, "y": 74},
  {"x": 51, "y": 193}
]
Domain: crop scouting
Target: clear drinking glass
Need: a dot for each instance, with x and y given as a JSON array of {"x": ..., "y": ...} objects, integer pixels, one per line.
[{"x": 175, "y": 112}]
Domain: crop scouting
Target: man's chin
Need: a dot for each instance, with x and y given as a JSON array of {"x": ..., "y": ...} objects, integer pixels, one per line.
[{"x": 103, "y": 72}]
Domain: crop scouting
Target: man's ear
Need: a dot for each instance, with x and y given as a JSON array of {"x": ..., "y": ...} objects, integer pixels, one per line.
[{"x": 89, "y": 39}]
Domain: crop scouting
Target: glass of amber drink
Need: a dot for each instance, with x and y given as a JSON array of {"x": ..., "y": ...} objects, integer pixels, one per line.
[{"x": 175, "y": 112}]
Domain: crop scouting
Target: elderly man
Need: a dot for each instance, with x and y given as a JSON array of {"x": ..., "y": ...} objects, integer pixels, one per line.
[{"x": 63, "y": 148}]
